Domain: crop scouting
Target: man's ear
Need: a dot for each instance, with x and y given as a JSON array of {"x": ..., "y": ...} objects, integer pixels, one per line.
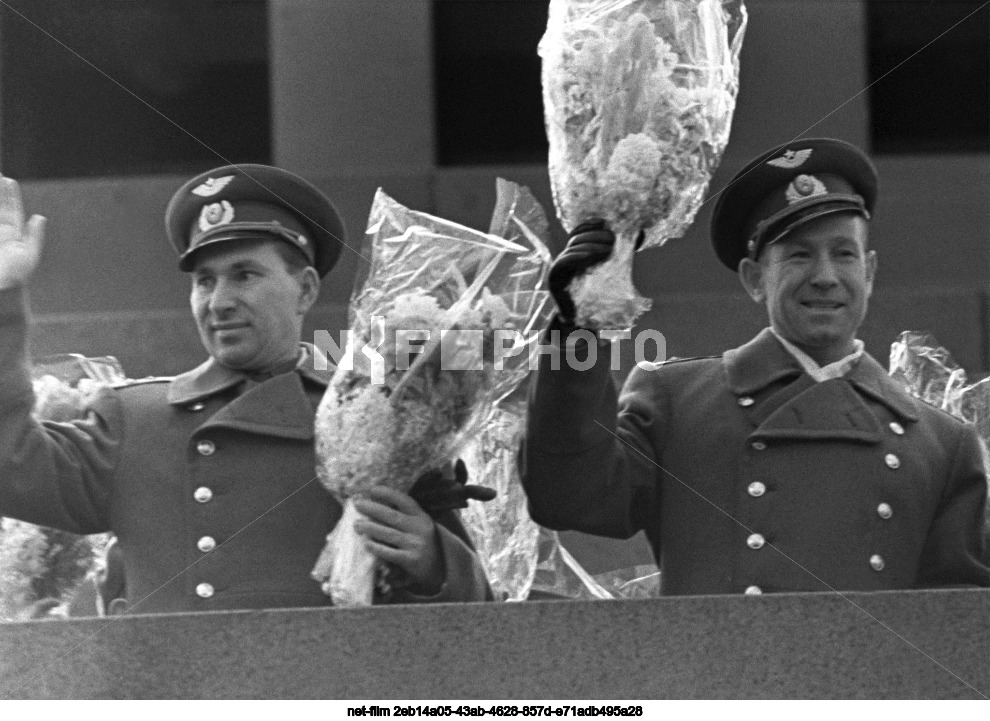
[
  {"x": 751, "y": 277},
  {"x": 309, "y": 289},
  {"x": 871, "y": 270}
]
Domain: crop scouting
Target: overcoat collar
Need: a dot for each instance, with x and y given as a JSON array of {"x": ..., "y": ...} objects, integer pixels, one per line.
[
  {"x": 211, "y": 378},
  {"x": 278, "y": 406},
  {"x": 759, "y": 363}
]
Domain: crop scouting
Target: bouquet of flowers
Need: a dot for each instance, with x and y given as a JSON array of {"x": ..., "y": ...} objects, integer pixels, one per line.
[
  {"x": 427, "y": 358},
  {"x": 638, "y": 98},
  {"x": 41, "y": 568}
]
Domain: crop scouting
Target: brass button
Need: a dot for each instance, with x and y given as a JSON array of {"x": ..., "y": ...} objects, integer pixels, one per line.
[
  {"x": 753, "y": 591},
  {"x": 897, "y": 428},
  {"x": 746, "y": 401},
  {"x": 755, "y": 541},
  {"x": 885, "y": 511},
  {"x": 756, "y": 489},
  {"x": 204, "y": 590},
  {"x": 206, "y": 544},
  {"x": 877, "y": 562},
  {"x": 198, "y": 406},
  {"x": 759, "y": 446},
  {"x": 206, "y": 448},
  {"x": 892, "y": 461},
  {"x": 203, "y": 494}
]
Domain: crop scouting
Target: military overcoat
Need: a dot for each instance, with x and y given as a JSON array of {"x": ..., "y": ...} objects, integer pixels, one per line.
[
  {"x": 748, "y": 476},
  {"x": 207, "y": 479}
]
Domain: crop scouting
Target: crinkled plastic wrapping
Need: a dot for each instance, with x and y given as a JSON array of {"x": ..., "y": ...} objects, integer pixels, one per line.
[
  {"x": 41, "y": 568},
  {"x": 631, "y": 583},
  {"x": 504, "y": 535},
  {"x": 638, "y": 99},
  {"x": 928, "y": 372},
  {"x": 398, "y": 411},
  {"x": 559, "y": 575},
  {"x": 521, "y": 559}
]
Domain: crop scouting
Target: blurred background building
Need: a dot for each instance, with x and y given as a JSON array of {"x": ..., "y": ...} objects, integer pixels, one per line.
[{"x": 106, "y": 106}]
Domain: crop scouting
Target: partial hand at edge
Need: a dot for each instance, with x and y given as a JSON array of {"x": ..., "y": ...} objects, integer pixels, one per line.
[{"x": 20, "y": 243}]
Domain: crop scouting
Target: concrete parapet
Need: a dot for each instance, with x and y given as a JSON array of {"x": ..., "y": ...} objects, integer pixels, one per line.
[{"x": 916, "y": 644}]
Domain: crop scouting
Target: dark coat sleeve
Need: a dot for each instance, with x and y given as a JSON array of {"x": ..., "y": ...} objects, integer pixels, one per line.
[
  {"x": 588, "y": 461},
  {"x": 51, "y": 474}
]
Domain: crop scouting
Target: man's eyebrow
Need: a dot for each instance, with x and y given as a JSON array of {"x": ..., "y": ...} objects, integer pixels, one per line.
[{"x": 245, "y": 264}]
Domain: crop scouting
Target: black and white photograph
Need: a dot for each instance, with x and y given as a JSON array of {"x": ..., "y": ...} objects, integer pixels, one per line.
[{"x": 495, "y": 357}]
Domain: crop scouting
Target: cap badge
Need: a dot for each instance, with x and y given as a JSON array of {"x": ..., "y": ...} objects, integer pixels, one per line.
[
  {"x": 212, "y": 186},
  {"x": 803, "y": 187},
  {"x": 215, "y": 214},
  {"x": 791, "y": 159}
]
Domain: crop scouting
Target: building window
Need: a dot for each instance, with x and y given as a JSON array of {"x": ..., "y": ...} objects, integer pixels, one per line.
[
  {"x": 938, "y": 100},
  {"x": 107, "y": 87},
  {"x": 489, "y": 102}
]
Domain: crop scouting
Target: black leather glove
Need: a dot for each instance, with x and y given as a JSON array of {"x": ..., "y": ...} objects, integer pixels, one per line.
[
  {"x": 436, "y": 494},
  {"x": 588, "y": 245}
]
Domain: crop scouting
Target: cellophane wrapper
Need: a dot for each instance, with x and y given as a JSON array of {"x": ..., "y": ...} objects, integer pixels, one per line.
[
  {"x": 638, "y": 99},
  {"x": 521, "y": 559},
  {"x": 388, "y": 419},
  {"x": 505, "y": 537},
  {"x": 41, "y": 568},
  {"x": 928, "y": 371}
]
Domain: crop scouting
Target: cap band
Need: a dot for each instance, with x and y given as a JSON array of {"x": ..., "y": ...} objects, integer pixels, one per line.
[
  {"x": 223, "y": 221},
  {"x": 775, "y": 227}
]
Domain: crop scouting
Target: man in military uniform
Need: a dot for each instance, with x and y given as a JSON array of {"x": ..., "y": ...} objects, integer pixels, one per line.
[
  {"x": 208, "y": 479},
  {"x": 792, "y": 463}
]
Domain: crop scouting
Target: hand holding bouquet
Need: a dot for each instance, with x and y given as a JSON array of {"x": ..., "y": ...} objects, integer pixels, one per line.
[
  {"x": 638, "y": 98},
  {"x": 426, "y": 361}
]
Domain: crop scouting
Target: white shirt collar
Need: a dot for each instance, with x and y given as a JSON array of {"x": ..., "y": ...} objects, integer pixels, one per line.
[{"x": 822, "y": 373}]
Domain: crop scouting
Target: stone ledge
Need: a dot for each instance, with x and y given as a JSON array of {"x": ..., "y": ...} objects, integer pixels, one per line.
[{"x": 905, "y": 644}]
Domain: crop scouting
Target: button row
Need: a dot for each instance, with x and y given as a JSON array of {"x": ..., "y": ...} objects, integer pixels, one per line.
[{"x": 876, "y": 563}]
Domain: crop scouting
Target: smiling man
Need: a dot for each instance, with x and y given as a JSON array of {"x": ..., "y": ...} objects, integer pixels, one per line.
[
  {"x": 208, "y": 479},
  {"x": 792, "y": 463}
]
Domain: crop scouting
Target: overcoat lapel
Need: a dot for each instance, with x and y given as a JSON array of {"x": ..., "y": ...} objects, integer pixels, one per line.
[
  {"x": 828, "y": 410},
  {"x": 278, "y": 407},
  {"x": 803, "y": 409}
]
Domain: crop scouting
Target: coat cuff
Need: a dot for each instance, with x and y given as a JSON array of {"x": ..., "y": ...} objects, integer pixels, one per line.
[{"x": 464, "y": 578}]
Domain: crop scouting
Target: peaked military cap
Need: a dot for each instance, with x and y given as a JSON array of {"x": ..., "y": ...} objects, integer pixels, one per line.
[
  {"x": 238, "y": 202},
  {"x": 786, "y": 187}
]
